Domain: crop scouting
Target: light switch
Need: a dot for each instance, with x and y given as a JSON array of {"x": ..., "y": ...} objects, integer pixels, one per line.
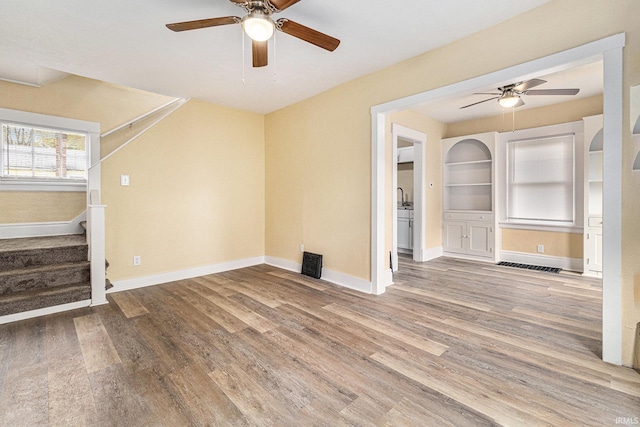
[{"x": 124, "y": 180}]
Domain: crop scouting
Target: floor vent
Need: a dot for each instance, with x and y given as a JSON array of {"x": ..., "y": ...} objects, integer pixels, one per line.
[
  {"x": 531, "y": 267},
  {"x": 312, "y": 265}
]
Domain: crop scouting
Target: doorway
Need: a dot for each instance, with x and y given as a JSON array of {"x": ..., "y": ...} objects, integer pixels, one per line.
[
  {"x": 416, "y": 141},
  {"x": 610, "y": 51}
]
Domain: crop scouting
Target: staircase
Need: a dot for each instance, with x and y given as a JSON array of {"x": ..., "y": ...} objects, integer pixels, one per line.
[{"x": 40, "y": 272}]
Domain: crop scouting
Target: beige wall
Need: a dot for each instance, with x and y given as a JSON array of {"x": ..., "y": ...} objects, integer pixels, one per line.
[
  {"x": 338, "y": 121},
  {"x": 566, "y": 245},
  {"x": 22, "y": 207},
  {"x": 76, "y": 98},
  {"x": 196, "y": 196},
  {"x": 197, "y": 178},
  {"x": 405, "y": 181}
]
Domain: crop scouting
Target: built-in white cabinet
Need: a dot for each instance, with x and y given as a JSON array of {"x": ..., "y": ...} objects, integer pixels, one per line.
[
  {"x": 468, "y": 195},
  {"x": 405, "y": 230},
  {"x": 593, "y": 196},
  {"x": 469, "y": 234}
]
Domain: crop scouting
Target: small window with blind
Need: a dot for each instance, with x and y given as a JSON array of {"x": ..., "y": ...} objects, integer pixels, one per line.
[
  {"x": 40, "y": 154},
  {"x": 541, "y": 180}
]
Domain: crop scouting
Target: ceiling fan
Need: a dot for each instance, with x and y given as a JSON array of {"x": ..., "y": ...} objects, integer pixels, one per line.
[
  {"x": 510, "y": 95},
  {"x": 259, "y": 26}
]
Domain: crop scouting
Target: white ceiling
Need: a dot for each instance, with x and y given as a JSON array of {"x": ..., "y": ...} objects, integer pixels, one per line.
[{"x": 126, "y": 42}]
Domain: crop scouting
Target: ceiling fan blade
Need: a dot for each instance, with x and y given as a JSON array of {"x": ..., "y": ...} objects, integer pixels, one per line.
[
  {"x": 479, "y": 102},
  {"x": 260, "y": 53},
  {"x": 519, "y": 104},
  {"x": 552, "y": 92},
  {"x": 203, "y": 23},
  {"x": 281, "y": 5},
  {"x": 487, "y": 93},
  {"x": 529, "y": 84},
  {"x": 307, "y": 34}
]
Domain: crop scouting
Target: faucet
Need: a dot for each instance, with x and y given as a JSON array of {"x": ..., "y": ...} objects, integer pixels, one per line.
[{"x": 401, "y": 195}]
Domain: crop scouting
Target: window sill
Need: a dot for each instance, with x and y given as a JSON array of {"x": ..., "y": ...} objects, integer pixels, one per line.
[
  {"x": 45, "y": 186},
  {"x": 575, "y": 229}
]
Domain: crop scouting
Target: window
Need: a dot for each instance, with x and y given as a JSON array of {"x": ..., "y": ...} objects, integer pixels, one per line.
[
  {"x": 38, "y": 153},
  {"x": 540, "y": 180}
]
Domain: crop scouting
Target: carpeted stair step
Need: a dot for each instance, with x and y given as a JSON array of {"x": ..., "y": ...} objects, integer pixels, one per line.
[
  {"x": 39, "y": 251},
  {"x": 47, "y": 276},
  {"x": 46, "y": 297}
]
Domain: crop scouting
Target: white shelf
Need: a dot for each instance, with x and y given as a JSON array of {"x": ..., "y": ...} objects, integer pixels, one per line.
[
  {"x": 468, "y": 184},
  {"x": 471, "y": 162}
]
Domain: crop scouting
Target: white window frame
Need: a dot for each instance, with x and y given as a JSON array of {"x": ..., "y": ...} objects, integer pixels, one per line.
[
  {"x": 512, "y": 165},
  {"x": 572, "y": 128},
  {"x": 23, "y": 118}
]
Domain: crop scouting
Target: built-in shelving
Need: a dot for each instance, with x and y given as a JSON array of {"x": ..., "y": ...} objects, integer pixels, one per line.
[
  {"x": 467, "y": 176},
  {"x": 468, "y": 196}
]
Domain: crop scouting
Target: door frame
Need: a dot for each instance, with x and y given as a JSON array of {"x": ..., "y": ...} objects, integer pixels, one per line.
[{"x": 419, "y": 140}]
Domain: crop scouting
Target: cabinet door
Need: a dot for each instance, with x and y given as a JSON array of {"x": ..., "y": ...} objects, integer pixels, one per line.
[
  {"x": 593, "y": 250},
  {"x": 404, "y": 236},
  {"x": 480, "y": 238},
  {"x": 454, "y": 237}
]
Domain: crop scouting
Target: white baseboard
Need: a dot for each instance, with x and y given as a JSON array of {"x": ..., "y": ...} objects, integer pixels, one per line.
[
  {"x": 571, "y": 264},
  {"x": 172, "y": 276},
  {"x": 39, "y": 229},
  {"x": 334, "y": 277},
  {"x": 431, "y": 253},
  {"x": 43, "y": 311}
]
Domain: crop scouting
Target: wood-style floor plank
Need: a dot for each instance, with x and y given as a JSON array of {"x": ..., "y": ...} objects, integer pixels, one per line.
[{"x": 452, "y": 343}]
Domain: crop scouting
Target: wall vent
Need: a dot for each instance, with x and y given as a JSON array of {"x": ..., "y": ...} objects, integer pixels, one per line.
[{"x": 312, "y": 265}]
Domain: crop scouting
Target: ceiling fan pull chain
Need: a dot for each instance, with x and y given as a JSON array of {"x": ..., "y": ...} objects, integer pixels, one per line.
[
  {"x": 275, "y": 58},
  {"x": 513, "y": 119},
  {"x": 243, "y": 56}
]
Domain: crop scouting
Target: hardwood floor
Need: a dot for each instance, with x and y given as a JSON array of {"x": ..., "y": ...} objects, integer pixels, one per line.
[{"x": 452, "y": 343}]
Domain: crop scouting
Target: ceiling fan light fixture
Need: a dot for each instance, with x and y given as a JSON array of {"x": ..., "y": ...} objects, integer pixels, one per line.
[
  {"x": 258, "y": 26},
  {"x": 508, "y": 100}
]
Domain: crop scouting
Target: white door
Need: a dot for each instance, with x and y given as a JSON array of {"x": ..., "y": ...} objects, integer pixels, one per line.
[
  {"x": 454, "y": 237},
  {"x": 480, "y": 236}
]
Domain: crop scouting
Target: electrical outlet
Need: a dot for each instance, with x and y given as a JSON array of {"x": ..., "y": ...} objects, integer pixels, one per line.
[
  {"x": 540, "y": 249},
  {"x": 137, "y": 260},
  {"x": 301, "y": 247},
  {"x": 124, "y": 180}
]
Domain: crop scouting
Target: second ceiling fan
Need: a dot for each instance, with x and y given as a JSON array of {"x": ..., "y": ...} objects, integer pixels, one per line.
[
  {"x": 259, "y": 26},
  {"x": 510, "y": 96}
]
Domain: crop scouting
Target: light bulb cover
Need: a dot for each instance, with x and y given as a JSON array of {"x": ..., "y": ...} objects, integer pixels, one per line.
[
  {"x": 508, "y": 100},
  {"x": 258, "y": 26}
]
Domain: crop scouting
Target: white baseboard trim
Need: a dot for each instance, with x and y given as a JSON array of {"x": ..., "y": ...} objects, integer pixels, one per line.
[
  {"x": 43, "y": 311},
  {"x": 571, "y": 264},
  {"x": 334, "y": 277},
  {"x": 431, "y": 253},
  {"x": 172, "y": 276},
  {"x": 39, "y": 229}
]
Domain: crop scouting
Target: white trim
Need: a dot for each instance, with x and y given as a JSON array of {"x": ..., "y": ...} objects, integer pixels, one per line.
[
  {"x": 419, "y": 140},
  {"x": 540, "y": 227},
  {"x": 570, "y": 264},
  {"x": 612, "y": 206},
  {"x": 610, "y": 50},
  {"x": 189, "y": 273},
  {"x": 43, "y": 311},
  {"x": 38, "y": 229},
  {"x": 332, "y": 276},
  {"x": 431, "y": 253}
]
